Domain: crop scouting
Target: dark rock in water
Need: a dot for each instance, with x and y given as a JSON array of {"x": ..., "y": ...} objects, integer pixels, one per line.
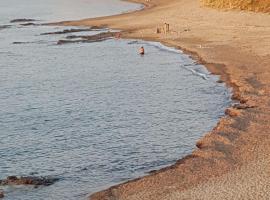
[
  {"x": 28, "y": 180},
  {"x": 98, "y": 36},
  {"x": 29, "y": 24},
  {"x": 60, "y": 42},
  {"x": 4, "y": 26},
  {"x": 22, "y": 20},
  {"x": 12, "y": 178},
  {"x": 73, "y": 37},
  {"x": 20, "y": 42},
  {"x": 87, "y": 38},
  {"x": 67, "y": 31},
  {"x": 2, "y": 194}
]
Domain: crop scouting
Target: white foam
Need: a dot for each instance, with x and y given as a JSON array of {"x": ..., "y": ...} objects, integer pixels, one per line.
[{"x": 193, "y": 71}]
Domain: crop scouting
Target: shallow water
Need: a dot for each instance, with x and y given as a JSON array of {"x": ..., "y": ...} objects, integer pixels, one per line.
[{"x": 94, "y": 114}]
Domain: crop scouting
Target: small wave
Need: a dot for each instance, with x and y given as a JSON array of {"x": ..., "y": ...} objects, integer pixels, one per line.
[
  {"x": 164, "y": 48},
  {"x": 194, "y": 71}
]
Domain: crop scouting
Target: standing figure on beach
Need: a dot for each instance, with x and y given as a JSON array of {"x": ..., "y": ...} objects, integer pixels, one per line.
[{"x": 141, "y": 51}]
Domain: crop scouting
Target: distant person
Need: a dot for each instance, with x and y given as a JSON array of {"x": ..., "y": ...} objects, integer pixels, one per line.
[{"x": 141, "y": 51}]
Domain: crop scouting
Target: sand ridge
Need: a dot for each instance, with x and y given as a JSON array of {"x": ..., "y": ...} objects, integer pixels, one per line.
[{"x": 231, "y": 162}]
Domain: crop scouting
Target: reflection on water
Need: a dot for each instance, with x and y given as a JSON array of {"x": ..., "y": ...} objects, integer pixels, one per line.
[{"x": 50, "y": 10}]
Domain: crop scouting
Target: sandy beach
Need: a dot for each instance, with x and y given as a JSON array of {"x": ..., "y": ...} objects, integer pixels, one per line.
[{"x": 231, "y": 161}]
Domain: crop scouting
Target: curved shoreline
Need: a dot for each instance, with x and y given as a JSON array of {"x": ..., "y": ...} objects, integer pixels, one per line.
[{"x": 240, "y": 139}]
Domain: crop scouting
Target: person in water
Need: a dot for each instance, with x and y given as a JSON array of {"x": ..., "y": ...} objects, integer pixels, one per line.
[
  {"x": 141, "y": 51},
  {"x": 118, "y": 36}
]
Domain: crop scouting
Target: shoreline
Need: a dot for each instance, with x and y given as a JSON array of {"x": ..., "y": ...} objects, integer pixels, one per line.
[{"x": 241, "y": 137}]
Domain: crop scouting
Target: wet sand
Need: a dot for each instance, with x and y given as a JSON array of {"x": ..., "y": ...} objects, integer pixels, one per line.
[{"x": 232, "y": 161}]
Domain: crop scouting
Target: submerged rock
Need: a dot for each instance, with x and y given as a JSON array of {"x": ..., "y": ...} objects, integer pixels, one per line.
[
  {"x": 88, "y": 38},
  {"x": 28, "y": 180},
  {"x": 2, "y": 194},
  {"x": 21, "y": 42},
  {"x": 29, "y": 24},
  {"x": 67, "y": 31},
  {"x": 60, "y": 42},
  {"x": 4, "y": 26},
  {"x": 22, "y": 20},
  {"x": 99, "y": 36}
]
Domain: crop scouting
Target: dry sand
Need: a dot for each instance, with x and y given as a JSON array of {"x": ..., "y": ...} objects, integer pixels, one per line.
[{"x": 232, "y": 161}]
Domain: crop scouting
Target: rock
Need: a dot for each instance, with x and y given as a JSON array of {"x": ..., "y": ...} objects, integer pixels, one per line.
[
  {"x": 199, "y": 144},
  {"x": 232, "y": 112},
  {"x": 2, "y": 194},
  {"x": 243, "y": 106},
  {"x": 96, "y": 37},
  {"x": 60, "y": 42},
  {"x": 29, "y": 24},
  {"x": 22, "y": 20},
  {"x": 28, "y": 180},
  {"x": 4, "y": 26},
  {"x": 67, "y": 31},
  {"x": 21, "y": 42},
  {"x": 87, "y": 38},
  {"x": 12, "y": 178},
  {"x": 237, "y": 96}
]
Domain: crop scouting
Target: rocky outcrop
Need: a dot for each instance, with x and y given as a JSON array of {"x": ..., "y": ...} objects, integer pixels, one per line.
[{"x": 28, "y": 180}]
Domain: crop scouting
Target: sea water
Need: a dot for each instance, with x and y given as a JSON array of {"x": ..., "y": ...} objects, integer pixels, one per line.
[{"x": 94, "y": 114}]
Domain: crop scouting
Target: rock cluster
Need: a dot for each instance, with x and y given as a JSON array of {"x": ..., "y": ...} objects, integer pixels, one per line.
[{"x": 28, "y": 180}]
